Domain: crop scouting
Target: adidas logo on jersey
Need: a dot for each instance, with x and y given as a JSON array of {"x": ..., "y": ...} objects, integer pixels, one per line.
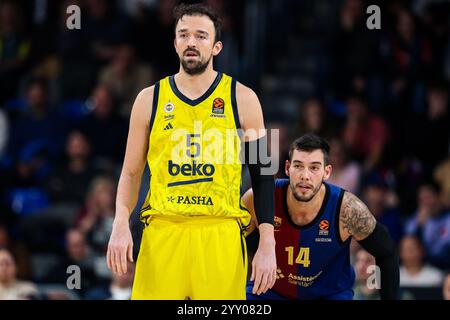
[{"x": 168, "y": 126}]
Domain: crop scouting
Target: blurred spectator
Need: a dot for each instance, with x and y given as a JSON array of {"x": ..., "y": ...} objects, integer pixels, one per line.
[
  {"x": 446, "y": 287},
  {"x": 19, "y": 251},
  {"x": 134, "y": 7},
  {"x": 435, "y": 22},
  {"x": 361, "y": 289},
  {"x": 105, "y": 28},
  {"x": 96, "y": 217},
  {"x": 78, "y": 69},
  {"x": 87, "y": 50},
  {"x": 431, "y": 224},
  {"x": 413, "y": 271},
  {"x": 409, "y": 174},
  {"x": 10, "y": 287},
  {"x": 410, "y": 51},
  {"x": 313, "y": 118},
  {"x": 355, "y": 52},
  {"x": 433, "y": 126},
  {"x": 229, "y": 58},
  {"x": 38, "y": 126},
  {"x": 365, "y": 134},
  {"x": 41, "y": 25},
  {"x": 119, "y": 288},
  {"x": 105, "y": 129},
  {"x": 346, "y": 173},
  {"x": 376, "y": 196},
  {"x": 159, "y": 21},
  {"x": 79, "y": 254},
  {"x": 71, "y": 176},
  {"x": 37, "y": 134},
  {"x": 125, "y": 77},
  {"x": 409, "y": 61},
  {"x": 14, "y": 49},
  {"x": 442, "y": 176}
]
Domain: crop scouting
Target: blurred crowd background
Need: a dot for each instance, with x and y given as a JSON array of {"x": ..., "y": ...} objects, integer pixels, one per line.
[{"x": 380, "y": 97}]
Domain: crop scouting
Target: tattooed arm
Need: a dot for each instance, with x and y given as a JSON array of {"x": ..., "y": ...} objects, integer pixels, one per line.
[{"x": 356, "y": 220}]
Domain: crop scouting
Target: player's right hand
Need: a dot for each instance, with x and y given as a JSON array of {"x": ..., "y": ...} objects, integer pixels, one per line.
[{"x": 120, "y": 248}]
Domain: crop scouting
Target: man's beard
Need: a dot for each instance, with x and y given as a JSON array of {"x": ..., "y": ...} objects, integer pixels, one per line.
[
  {"x": 301, "y": 198},
  {"x": 194, "y": 67}
]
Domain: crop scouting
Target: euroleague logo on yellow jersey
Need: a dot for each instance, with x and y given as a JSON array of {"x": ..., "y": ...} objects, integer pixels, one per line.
[{"x": 218, "y": 108}]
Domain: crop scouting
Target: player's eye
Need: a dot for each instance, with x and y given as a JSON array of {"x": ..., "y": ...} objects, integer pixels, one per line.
[
  {"x": 315, "y": 168},
  {"x": 201, "y": 37}
]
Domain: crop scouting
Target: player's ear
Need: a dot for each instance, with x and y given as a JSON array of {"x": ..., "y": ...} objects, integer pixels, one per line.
[
  {"x": 287, "y": 165},
  {"x": 217, "y": 48},
  {"x": 328, "y": 169}
]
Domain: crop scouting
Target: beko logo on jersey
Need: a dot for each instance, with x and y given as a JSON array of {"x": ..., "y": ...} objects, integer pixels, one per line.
[
  {"x": 191, "y": 169},
  {"x": 197, "y": 200}
]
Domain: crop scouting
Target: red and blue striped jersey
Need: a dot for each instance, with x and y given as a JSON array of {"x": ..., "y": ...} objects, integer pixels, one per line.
[{"x": 312, "y": 260}]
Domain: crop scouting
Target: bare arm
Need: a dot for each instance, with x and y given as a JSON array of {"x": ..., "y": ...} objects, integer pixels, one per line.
[
  {"x": 250, "y": 111},
  {"x": 355, "y": 218},
  {"x": 120, "y": 245},
  {"x": 135, "y": 155}
]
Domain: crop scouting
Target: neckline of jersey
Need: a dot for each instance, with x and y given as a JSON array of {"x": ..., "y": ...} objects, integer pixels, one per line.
[
  {"x": 203, "y": 97},
  {"x": 316, "y": 218}
]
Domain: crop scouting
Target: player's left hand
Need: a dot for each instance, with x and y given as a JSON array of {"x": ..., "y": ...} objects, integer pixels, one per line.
[{"x": 264, "y": 265}]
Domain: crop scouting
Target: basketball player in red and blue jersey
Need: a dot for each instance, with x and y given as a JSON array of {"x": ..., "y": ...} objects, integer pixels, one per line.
[{"x": 314, "y": 223}]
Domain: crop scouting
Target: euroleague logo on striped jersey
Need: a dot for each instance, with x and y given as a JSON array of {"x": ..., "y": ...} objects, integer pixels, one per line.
[{"x": 324, "y": 227}]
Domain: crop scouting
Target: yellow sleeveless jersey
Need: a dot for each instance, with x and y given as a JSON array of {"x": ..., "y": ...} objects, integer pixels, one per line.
[{"x": 193, "y": 153}]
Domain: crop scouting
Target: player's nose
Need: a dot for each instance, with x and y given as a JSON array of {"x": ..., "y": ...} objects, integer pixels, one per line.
[
  {"x": 304, "y": 175},
  {"x": 192, "y": 42}
]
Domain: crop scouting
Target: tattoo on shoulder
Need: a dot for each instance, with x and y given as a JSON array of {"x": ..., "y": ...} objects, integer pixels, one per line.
[{"x": 356, "y": 217}]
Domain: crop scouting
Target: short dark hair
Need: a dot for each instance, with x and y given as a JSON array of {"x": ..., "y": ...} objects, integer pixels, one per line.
[
  {"x": 199, "y": 9},
  {"x": 310, "y": 142}
]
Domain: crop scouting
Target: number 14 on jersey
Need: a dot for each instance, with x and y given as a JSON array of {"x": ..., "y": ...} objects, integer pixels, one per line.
[{"x": 302, "y": 257}]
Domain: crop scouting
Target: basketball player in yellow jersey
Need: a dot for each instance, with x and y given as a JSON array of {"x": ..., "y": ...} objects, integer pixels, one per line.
[{"x": 186, "y": 128}]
